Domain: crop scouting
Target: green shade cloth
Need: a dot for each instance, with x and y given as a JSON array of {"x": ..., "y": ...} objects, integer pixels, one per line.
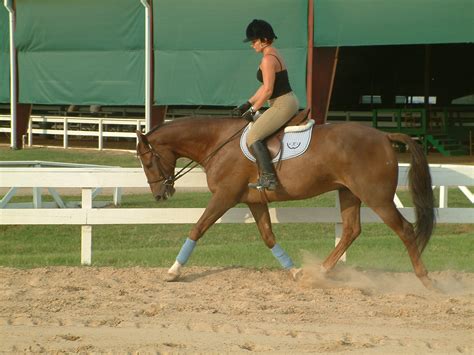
[
  {"x": 4, "y": 55},
  {"x": 379, "y": 22},
  {"x": 81, "y": 51},
  {"x": 200, "y": 57},
  {"x": 92, "y": 52}
]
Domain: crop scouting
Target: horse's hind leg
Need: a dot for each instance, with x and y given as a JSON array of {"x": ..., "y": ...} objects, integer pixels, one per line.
[
  {"x": 404, "y": 229},
  {"x": 350, "y": 213},
  {"x": 262, "y": 218}
]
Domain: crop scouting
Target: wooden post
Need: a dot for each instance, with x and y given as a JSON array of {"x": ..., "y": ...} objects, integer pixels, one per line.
[
  {"x": 30, "y": 132},
  {"x": 101, "y": 133},
  {"x": 23, "y": 117},
  {"x": 322, "y": 62},
  {"x": 427, "y": 77},
  {"x": 86, "y": 230},
  {"x": 158, "y": 114},
  {"x": 443, "y": 197},
  {"x": 65, "y": 136},
  {"x": 323, "y": 72}
]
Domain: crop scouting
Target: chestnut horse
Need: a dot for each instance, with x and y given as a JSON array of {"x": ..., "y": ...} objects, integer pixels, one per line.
[{"x": 356, "y": 160}]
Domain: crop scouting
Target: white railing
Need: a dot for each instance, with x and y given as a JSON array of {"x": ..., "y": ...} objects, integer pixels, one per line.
[
  {"x": 66, "y": 126},
  {"x": 102, "y": 127},
  {"x": 36, "y": 192},
  {"x": 89, "y": 178}
]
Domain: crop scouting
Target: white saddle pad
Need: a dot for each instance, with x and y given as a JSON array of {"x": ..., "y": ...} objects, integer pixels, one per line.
[{"x": 295, "y": 142}]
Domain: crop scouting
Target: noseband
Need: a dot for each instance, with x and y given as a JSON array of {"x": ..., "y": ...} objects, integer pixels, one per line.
[{"x": 167, "y": 180}]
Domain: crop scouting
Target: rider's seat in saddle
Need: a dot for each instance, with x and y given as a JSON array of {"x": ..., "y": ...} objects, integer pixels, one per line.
[{"x": 273, "y": 141}]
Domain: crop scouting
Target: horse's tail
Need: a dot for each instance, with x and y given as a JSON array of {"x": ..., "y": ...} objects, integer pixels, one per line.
[{"x": 419, "y": 181}]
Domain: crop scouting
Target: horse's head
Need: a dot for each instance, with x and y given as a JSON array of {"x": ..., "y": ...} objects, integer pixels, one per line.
[{"x": 158, "y": 164}]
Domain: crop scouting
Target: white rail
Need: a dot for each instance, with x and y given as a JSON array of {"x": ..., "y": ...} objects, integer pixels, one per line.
[
  {"x": 87, "y": 216},
  {"x": 102, "y": 127},
  {"x": 58, "y": 201},
  {"x": 66, "y": 126}
]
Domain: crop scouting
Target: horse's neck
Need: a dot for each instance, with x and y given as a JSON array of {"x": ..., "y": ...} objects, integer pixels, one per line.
[{"x": 195, "y": 138}]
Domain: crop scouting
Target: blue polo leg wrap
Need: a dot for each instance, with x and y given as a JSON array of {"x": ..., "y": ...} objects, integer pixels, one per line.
[
  {"x": 186, "y": 251},
  {"x": 282, "y": 256}
]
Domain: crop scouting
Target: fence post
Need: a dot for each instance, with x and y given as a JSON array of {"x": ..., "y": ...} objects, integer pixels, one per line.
[
  {"x": 117, "y": 196},
  {"x": 30, "y": 132},
  {"x": 65, "y": 139},
  {"x": 338, "y": 229},
  {"x": 139, "y": 128},
  {"x": 443, "y": 197},
  {"x": 86, "y": 230},
  {"x": 37, "y": 195},
  {"x": 101, "y": 132}
]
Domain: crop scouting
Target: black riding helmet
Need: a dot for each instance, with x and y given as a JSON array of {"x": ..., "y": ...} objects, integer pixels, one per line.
[{"x": 259, "y": 29}]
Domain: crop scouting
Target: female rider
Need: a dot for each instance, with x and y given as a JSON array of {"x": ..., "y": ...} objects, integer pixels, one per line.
[
  {"x": 275, "y": 88},
  {"x": 283, "y": 105}
]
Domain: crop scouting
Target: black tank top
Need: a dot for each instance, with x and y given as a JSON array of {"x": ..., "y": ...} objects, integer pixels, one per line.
[{"x": 282, "y": 82}]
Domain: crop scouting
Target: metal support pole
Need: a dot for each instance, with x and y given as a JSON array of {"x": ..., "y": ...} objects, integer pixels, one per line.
[
  {"x": 13, "y": 91},
  {"x": 147, "y": 64},
  {"x": 309, "y": 59}
]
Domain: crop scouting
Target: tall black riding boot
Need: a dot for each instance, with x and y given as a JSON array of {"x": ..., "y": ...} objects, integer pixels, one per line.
[{"x": 267, "y": 178}]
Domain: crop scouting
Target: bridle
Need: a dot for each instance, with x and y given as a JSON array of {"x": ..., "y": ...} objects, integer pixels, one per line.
[
  {"x": 171, "y": 179},
  {"x": 167, "y": 180}
]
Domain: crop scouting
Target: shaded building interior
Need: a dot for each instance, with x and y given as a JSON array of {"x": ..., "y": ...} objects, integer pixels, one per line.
[{"x": 370, "y": 77}]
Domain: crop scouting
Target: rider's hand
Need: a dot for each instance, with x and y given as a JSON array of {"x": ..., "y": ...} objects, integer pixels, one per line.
[
  {"x": 249, "y": 115},
  {"x": 240, "y": 110}
]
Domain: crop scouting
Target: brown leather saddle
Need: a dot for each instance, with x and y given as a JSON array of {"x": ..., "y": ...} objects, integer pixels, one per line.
[{"x": 274, "y": 141}]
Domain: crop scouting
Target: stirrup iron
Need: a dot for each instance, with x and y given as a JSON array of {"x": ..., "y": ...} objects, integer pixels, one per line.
[{"x": 265, "y": 181}]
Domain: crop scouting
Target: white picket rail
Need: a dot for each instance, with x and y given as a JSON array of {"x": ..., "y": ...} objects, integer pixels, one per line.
[
  {"x": 89, "y": 178},
  {"x": 100, "y": 127},
  {"x": 37, "y": 201},
  {"x": 73, "y": 126}
]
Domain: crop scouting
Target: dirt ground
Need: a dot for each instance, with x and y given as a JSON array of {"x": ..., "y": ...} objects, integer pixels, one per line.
[{"x": 233, "y": 310}]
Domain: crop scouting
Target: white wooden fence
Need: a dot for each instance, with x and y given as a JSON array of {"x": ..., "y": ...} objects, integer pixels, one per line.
[
  {"x": 102, "y": 127},
  {"x": 89, "y": 178},
  {"x": 66, "y": 126}
]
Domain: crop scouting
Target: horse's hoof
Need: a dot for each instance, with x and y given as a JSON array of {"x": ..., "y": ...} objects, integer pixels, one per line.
[
  {"x": 171, "y": 276},
  {"x": 429, "y": 284},
  {"x": 323, "y": 270},
  {"x": 296, "y": 273}
]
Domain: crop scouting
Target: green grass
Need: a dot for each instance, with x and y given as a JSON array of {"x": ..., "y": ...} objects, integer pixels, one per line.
[
  {"x": 81, "y": 156},
  {"x": 378, "y": 247},
  {"x": 77, "y": 156},
  {"x": 451, "y": 246}
]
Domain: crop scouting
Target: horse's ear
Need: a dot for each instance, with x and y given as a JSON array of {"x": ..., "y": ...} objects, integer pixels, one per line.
[{"x": 141, "y": 137}]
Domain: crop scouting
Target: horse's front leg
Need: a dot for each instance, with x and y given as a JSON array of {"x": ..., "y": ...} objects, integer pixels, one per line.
[
  {"x": 218, "y": 205},
  {"x": 262, "y": 218}
]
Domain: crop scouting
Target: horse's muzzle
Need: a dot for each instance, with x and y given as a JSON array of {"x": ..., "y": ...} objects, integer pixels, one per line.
[{"x": 165, "y": 193}]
